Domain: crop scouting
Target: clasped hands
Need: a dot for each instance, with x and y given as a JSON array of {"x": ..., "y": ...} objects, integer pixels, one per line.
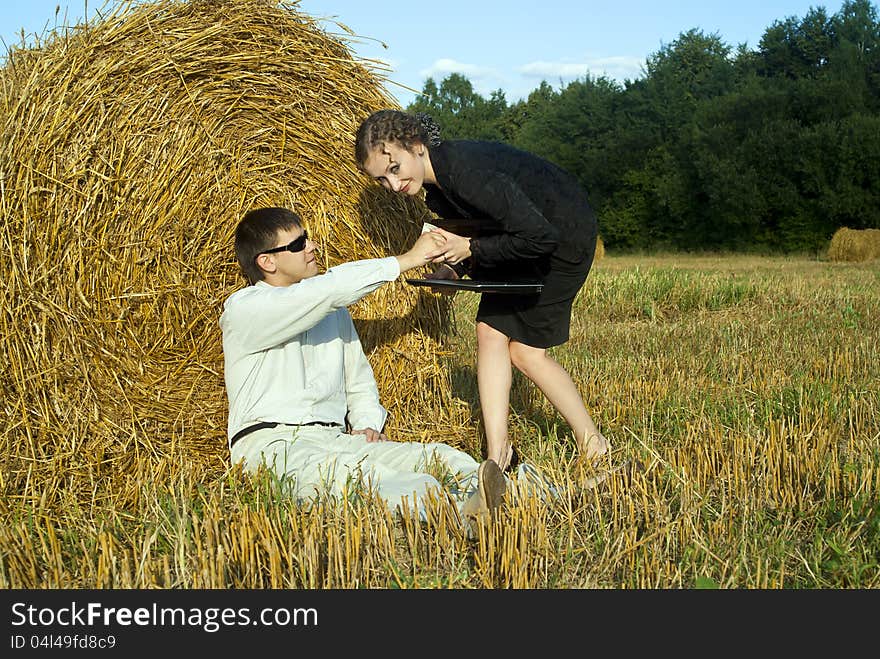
[
  {"x": 444, "y": 248},
  {"x": 440, "y": 246},
  {"x": 452, "y": 250}
]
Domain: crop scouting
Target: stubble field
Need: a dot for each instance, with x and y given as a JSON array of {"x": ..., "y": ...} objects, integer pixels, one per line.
[{"x": 748, "y": 388}]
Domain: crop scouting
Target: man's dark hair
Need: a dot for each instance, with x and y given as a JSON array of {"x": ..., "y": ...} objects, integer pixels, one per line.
[{"x": 256, "y": 232}]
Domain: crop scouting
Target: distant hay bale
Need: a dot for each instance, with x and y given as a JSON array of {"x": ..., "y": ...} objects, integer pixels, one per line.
[
  {"x": 600, "y": 249},
  {"x": 130, "y": 149},
  {"x": 854, "y": 245}
]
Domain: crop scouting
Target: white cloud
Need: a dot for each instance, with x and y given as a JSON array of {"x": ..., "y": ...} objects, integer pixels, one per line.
[
  {"x": 553, "y": 70},
  {"x": 444, "y": 66},
  {"x": 618, "y": 68}
]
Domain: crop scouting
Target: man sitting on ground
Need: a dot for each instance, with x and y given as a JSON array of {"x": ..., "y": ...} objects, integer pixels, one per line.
[{"x": 303, "y": 400}]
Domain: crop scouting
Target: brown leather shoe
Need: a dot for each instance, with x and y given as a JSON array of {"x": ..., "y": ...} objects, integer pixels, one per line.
[
  {"x": 492, "y": 484},
  {"x": 491, "y": 487}
]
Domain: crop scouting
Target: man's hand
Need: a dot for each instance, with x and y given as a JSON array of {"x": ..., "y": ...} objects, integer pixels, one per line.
[
  {"x": 422, "y": 251},
  {"x": 372, "y": 434}
]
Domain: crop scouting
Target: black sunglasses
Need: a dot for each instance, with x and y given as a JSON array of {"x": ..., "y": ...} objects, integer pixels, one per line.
[{"x": 296, "y": 245}]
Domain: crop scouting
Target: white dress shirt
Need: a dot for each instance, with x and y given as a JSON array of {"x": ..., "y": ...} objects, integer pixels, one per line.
[{"x": 292, "y": 354}]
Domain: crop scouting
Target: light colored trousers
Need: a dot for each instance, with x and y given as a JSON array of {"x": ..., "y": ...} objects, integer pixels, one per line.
[{"x": 316, "y": 460}]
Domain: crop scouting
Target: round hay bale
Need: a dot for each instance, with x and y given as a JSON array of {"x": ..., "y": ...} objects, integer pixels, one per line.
[
  {"x": 130, "y": 149},
  {"x": 854, "y": 245}
]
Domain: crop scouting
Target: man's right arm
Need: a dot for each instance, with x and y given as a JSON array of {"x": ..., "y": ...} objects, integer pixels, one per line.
[{"x": 264, "y": 316}]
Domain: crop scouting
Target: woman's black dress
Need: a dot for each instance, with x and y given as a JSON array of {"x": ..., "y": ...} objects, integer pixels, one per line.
[{"x": 541, "y": 228}]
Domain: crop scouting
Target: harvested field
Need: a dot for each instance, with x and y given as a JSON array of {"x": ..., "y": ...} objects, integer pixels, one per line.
[{"x": 746, "y": 386}]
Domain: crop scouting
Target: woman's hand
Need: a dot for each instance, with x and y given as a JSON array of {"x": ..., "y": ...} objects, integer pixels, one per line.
[{"x": 454, "y": 250}]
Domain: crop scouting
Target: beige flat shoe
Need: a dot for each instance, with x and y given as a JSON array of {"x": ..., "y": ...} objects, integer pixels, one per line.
[
  {"x": 492, "y": 484},
  {"x": 627, "y": 469},
  {"x": 595, "y": 457}
]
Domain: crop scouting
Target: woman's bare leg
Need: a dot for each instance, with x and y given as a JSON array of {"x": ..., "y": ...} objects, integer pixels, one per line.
[
  {"x": 556, "y": 384},
  {"x": 494, "y": 377}
]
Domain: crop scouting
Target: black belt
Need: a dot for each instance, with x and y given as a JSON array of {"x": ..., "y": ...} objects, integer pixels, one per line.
[{"x": 269, "y": 424}]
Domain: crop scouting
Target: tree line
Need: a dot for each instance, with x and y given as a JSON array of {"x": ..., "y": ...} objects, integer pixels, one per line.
[{"x": 769, "y": 149}]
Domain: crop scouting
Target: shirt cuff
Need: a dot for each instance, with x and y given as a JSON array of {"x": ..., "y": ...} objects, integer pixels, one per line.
[{"x": 392, "y": 267}]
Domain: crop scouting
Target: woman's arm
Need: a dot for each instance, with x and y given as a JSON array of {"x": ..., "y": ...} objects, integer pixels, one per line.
[{"x": 525, "y": 232}]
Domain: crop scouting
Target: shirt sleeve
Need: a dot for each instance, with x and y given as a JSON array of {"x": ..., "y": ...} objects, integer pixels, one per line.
[
  {"x": 263, "y": 316},
  {"x": 526, "y": 234},
  {"x": 361, "y": 392}
]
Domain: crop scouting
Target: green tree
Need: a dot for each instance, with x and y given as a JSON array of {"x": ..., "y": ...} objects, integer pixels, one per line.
[
  {"x": 856, "y": 58},
  {"x": 795, "y": 48},
  {"x": 692, "y": 70},
  {"x": 460, "y": 111},
  {"x": 574, "y": 128},
  {"x": 523, "y": 112}
]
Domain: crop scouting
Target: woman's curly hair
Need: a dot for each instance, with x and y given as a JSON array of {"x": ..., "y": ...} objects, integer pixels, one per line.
[{"x": 394, "y": 126}]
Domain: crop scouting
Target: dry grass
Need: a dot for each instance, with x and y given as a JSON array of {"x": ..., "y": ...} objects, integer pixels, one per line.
[{"x": 747, "y": 386}]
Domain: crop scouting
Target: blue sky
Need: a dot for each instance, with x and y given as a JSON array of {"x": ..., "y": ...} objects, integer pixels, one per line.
[{"x": 510, "y": 45}]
